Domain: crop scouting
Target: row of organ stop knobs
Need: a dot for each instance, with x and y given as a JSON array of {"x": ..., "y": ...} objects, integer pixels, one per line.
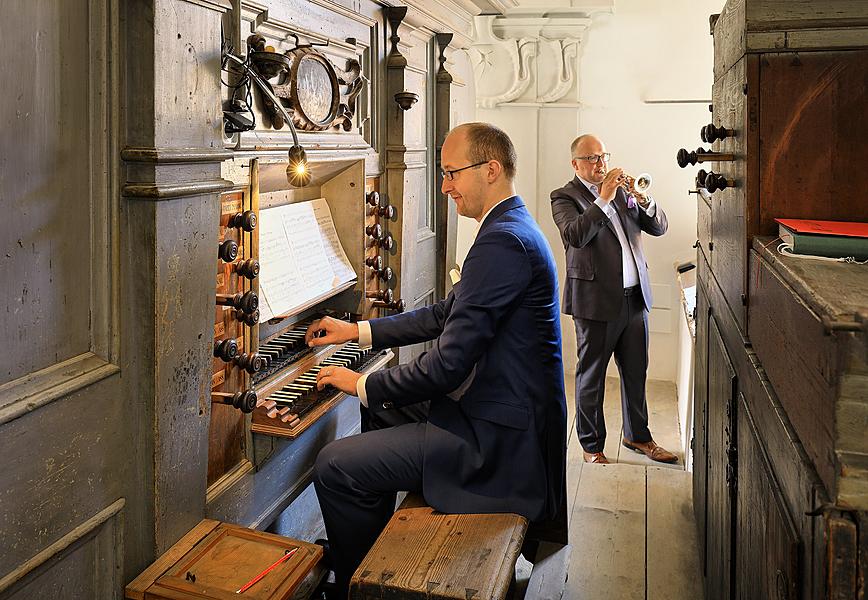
[
  {"x": 245, "y": 307},
  {"x": 708, "y": 180},
  {"x": 382, "y": 240}
]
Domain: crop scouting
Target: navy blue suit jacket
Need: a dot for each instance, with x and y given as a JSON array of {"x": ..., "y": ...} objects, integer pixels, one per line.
[{"x": 496, "y": 434}]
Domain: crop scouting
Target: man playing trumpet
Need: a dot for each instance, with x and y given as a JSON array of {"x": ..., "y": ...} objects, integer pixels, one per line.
[{"x": 607, "y": 292}]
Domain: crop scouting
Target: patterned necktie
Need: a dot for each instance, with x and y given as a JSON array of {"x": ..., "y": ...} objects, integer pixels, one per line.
[{"x": 595, "y": 190}]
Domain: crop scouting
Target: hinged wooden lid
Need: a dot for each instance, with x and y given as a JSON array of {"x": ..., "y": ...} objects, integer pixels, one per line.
[{"x": 215, "y": 559}]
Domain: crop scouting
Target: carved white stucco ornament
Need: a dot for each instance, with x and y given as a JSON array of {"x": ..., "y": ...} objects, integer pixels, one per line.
[{"x": 530, "y": 55}]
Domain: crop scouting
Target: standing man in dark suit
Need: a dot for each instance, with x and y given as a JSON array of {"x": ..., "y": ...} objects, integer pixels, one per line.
[
  {"x": 608, "y": 293},
  {"x": 495, "y": 440}
]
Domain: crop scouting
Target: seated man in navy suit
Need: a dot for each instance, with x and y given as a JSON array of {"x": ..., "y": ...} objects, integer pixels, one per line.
[{"x": 495, "y": 439}]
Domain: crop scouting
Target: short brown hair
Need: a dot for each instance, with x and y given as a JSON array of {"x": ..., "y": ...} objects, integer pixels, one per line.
[{"x": 488, "y": 142}]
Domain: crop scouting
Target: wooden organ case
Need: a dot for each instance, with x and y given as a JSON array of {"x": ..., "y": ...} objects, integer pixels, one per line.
[
  {"x": 345, "y": 217},
  {"x": 781, "y": 394}
]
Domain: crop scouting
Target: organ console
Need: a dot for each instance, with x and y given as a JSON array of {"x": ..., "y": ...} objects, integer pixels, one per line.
[{"x": 262, "y": 364}]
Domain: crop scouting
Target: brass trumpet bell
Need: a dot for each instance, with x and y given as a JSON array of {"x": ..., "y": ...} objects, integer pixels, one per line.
[{"x": 638, "y": 184}]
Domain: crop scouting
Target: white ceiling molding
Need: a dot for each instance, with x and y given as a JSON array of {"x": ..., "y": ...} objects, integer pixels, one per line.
[{"x": 530, "y": 55}]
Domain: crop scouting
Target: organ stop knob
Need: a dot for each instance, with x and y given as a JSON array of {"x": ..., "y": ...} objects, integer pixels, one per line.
[
  {"x": 245, "y": 401},
  {"x": 246, "y": 302},
  {"x": 225, "y": 350},
  {"x": 228, "y": 251},
  {"x": 244, "y": 220}
]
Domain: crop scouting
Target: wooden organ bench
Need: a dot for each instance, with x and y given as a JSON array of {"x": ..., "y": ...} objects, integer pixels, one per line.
[{"x": 429, "y": 555}]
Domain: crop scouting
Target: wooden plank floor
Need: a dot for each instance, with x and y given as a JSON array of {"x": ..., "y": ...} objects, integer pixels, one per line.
[{"x": 631, "y": 524}]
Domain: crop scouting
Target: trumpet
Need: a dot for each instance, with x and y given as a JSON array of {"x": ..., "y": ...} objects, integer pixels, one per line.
[{"x": 636, "y": 185}]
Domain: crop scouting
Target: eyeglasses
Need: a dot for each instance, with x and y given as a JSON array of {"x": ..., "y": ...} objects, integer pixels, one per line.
[
  {"x": 450, "y": 174},
  {"x": 594, "y": 158}
]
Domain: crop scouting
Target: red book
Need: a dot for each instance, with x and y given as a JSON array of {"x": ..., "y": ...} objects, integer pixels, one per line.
[{"x": 845, "y": 228}]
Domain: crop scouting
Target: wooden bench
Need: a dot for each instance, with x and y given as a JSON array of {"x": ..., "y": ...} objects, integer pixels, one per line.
[{"x": 424, "y": 554}]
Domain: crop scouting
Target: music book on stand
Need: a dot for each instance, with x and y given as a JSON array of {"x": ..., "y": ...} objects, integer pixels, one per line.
[{"x": 832, "y": 239}]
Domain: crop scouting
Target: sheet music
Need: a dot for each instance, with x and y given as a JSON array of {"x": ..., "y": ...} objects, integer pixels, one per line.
[{"x": 300, "y": 255}]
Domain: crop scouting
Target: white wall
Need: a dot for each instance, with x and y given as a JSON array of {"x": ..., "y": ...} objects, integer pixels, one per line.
[{"x": 658, "y": 50}]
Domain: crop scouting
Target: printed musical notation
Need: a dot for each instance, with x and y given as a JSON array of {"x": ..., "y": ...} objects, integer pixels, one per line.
[{"x": 301, "y": 257}]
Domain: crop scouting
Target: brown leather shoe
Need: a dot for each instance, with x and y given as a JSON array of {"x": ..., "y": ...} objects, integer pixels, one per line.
[
  {"x": 651, "y": 450},
  {"x": 597, "y": 458}
]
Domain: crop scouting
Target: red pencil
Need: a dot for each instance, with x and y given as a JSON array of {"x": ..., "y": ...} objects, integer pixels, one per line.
[{"x": 250, "y": 583}]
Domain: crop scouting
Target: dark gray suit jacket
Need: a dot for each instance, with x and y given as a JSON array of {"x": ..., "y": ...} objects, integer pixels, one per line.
[{"x": 594, "y": 287}]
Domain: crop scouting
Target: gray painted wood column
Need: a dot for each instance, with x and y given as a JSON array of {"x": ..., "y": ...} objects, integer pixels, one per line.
[{"x": 168, "y": 244}]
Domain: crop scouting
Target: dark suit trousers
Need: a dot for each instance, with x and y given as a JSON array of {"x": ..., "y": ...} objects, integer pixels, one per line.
[
  {"x": 356, "y": 480},
  {"x": 627, "y": 338}
]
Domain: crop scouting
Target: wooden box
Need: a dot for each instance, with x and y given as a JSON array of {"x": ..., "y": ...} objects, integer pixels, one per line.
[
  {"x": 216, "y": 559},
  {"x": 819, "y": 371}
]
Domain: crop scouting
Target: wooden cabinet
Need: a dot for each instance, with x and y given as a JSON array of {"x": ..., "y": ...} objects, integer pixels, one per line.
[{"x": 781, "y": 380}]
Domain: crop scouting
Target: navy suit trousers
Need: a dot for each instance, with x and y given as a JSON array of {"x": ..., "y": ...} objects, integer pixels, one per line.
[{"x": 356, "y": 480}]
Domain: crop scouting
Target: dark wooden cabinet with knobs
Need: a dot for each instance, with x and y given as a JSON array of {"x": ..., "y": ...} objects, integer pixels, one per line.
[{"x": 776, "y": 426}]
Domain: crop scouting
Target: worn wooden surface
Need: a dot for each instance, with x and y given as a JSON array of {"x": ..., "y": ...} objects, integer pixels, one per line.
[
  {"x": 671, "y": 547},
  {"x": 767, "y": 543},
  {"x": 426, "y": 554},
  {"x": 721, "y": 437},
  {"x": 756, "y": 25},
  {"x": 826, "y": 396},
  {"x": 730, "y": 211},
  {"x": 609, "y": 522},
  {"x": 806, "y": 105},
  {"x": 800, "y": 361},
  {"x": 215, "y": 559}
]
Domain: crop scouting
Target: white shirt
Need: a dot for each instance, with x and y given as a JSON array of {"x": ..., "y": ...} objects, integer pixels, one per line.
[
  {"x": 366, "y": 337},
  {"x": 628, "y": 261}
]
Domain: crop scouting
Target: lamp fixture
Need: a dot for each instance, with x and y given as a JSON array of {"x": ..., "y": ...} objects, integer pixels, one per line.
[{"x": 298, "y": 172}]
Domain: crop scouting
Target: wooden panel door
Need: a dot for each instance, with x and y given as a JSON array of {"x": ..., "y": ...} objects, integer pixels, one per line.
[
  {"x": 768, "y": 544},
  {"x": 73, "y": 465},
  {"x": 721, "y": 438}
]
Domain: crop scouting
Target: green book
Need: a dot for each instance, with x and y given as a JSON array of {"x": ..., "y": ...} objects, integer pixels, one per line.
[{"x": 832, "y": 246}]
